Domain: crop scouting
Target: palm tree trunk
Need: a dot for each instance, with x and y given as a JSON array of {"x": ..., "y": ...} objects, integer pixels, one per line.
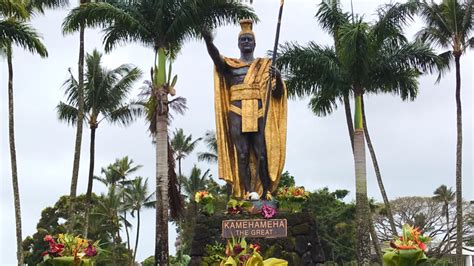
[
  {"x": 377, "y": 171},
  {"x": 162, "y": 183},
  {"x": 362, "y": 204},
  {"x": 90, "y": 180},
  {"x": 80, "y": 118},
  {"x": 11, "y": 134},
  {"x": 350, "y": 126},
  {"x": 447, "y": 224},
  {"x": 126, "y": 229},
  {"x": 138, "y": 234},
  {"x": 375, "y": 240},
  {"x": 459, "y": 224},
  {"x": 162, "y": 203}
]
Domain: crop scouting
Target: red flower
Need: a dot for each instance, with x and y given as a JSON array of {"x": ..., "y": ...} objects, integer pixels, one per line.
[
  {"x": 422, "y": 246},
  {"x": 237, "y": 249},
  {"x": 255, "y": 247}
]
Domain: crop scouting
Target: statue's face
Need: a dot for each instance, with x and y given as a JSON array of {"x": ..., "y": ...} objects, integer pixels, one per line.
[{"x": 246, "y": 43}]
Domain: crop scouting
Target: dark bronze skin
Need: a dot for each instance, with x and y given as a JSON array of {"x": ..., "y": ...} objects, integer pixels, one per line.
[{"x": 245, "y": 142}]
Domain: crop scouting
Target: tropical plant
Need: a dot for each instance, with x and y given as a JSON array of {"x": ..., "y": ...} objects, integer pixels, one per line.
[
  {"x": 367, "y": 58},
  {"x": 164, "y": 26},
  {"x": 449, "y": 25},
  {"x": 408, "y": 249},
  {"x": 211, "y": 143},
  {"x": 427, "y": 214},
  {"x": 105, "y": 95},
  {"x": 15, "y": 31},
  {"x": 136, "y": 198},
  {"x": 182, "y": 146},
  {"x": 117, "y": 173},
  {"x": 444, "y": 195}
]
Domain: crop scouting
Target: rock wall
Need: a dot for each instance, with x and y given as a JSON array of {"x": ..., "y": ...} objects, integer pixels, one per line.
[{"x": 300, "y": 247}]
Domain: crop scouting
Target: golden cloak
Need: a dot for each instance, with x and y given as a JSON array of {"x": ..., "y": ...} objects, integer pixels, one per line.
[{"x": 275, "y": 131}]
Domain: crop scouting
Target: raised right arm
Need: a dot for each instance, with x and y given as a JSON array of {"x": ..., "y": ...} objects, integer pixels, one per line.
[{"x": 221, "y": 66}]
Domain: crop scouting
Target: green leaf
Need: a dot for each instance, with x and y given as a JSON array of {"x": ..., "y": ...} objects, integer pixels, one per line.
[
  {"x": 175, "y": 79},
  {"x": 391, "y": 258}
]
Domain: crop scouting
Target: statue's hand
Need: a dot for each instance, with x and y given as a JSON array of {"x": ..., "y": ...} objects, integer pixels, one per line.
[
  {"x": 207, "y": 34},
  {"x": 274, "y": 72}
]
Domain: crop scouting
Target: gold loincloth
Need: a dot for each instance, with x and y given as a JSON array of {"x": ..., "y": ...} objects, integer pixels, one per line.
[{"x": 249, "y": 95}]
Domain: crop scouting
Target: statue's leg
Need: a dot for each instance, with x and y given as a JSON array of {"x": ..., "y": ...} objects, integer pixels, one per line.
[
  {"x": 258, "y": 143},
  {"x": 241, "y": 142}
]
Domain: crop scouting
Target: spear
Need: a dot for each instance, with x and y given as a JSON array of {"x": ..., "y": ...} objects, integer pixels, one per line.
[{"x": 275, "y": 49}]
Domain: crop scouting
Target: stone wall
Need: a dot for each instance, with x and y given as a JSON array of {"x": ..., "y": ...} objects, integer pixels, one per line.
[{"x": 300, "y": 247}]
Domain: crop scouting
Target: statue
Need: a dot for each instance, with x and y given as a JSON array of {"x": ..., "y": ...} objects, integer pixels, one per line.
[{"x": 251, "y": 152}]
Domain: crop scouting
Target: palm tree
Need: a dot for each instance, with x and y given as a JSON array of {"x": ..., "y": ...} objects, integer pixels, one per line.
[
  {"x": 105, "y": 94},
  {"x": 117, "y": 173},
  {"x": 197, "y": 181},
  {"x": 211, "y": 143},
  {"x": 164, "y": 26},
  {"x": 80, "y": 98},
  {"x": 449, "y": 25},
  {"x": 14, "y": 30},
  {"x": 368, "y": 59},
  {"x": 182, "y": 146},
  {"x": 136, "y": 197},
  {"x": 445, "y": 195}
]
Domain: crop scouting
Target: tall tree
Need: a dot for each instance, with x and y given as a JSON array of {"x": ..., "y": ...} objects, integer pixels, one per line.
[
  {"x": 197, "y": 181},
  {"x": 105, "y": 95},
  {"x": 445, "y": 195},
  {"x": 136, "y": 198},
  {"x": 15, "y": 31},
  {"x": 211, "y": 143},
  {"x": 78, "y": 142},
  {"x": 374, "y": 58},
  {"x": 182, "y": 146},
  {"x": 449, "y": 25},
  {"x": 164, "y": 26}
]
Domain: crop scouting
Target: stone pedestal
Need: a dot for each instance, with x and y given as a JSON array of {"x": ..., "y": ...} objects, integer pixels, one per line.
[{"x": 300, "y": 247}]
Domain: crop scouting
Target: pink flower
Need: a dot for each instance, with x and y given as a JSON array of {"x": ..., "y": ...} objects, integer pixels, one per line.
[
  {"x": 90, "y": 251},
  {"x": 268, "y": 211},
  {"x": 48, "y": 238}
]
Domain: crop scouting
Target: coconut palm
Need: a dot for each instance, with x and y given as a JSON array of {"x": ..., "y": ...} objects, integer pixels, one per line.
[
  {"x": 182, "y": 146},
  {"x": 164, "y": 26},
  {"x": 211, "y": 143},
  {"x": 369, "y": 58},
  {"x": 105, "y": 94},
  {"x": 445, "y": 195},
  {"x": 117, "y": 173},
  {"x": 449, "y": 25},
  {"x": 136, "y": 197}
]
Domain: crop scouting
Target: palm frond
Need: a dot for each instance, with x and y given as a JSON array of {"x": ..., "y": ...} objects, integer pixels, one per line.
[
  {"x": 67, "y": 113},
  {"x": 23, "y": 35},
  {"x": 330, "y": 16},
  {"x": 308, "y": 68},
  {"x": 95, "y": 14},
  {"x": 124, "y": 115},
  {"x": 14, "y": 9},
  {"x": 39, "y": 6}
]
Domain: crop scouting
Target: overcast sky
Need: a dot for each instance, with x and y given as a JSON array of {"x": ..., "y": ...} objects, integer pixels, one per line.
[{"x": 414, "y": 141}]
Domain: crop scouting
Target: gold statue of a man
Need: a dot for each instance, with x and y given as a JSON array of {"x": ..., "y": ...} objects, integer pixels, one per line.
[{"x": 250, "y": 157}]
